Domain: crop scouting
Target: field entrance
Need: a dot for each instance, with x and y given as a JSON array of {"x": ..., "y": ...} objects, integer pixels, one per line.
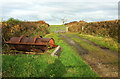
[{"x": 58, "y": 29}]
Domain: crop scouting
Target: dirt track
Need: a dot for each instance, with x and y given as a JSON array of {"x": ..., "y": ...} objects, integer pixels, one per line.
[{"x": 104, "y": 63}]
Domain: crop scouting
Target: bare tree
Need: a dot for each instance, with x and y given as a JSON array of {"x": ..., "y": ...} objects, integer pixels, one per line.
[{"x": 64, "y": 20}]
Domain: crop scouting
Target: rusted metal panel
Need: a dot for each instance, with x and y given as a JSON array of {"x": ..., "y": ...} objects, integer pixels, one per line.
[{"x": 24, "y": 43}]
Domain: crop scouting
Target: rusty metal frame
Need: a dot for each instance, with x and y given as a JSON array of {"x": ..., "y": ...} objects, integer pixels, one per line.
[
  {"x": 27, "y": 43},
  {"x": 20, "y": 38},
  {"x": 35, "y": 42},
  {"x": 36, "y": 38}
]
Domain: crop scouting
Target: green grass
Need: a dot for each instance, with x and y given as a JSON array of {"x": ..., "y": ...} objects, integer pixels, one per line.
[
  {"x": 93, "y": 49},
  {"x": 75, "y": 66},
  {"x": 22, "y": 65},
  {"x": 69, "y": 64},
  {"x": 101, "y": 41},
  {"x": 54, "y": 28}
]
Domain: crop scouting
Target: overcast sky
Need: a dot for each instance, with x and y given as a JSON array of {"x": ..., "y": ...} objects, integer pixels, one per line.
[{"x": 53, "y": 11}]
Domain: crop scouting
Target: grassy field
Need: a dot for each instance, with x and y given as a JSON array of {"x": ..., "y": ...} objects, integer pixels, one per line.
[
  {"x": 106, "y": 42},
  {"x": 54, "y": 28},
  {"x": 69, "y": 64},
  {"x": 22, "y": 65}
]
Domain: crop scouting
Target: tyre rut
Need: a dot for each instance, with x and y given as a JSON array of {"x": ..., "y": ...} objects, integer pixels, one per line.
[{"x": 103, "y": 68}]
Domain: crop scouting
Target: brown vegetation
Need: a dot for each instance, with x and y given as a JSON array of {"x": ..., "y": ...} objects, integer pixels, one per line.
[
  {"x": 38, "y": 22},
  {"x": 14, "y": 27},
  {"x": 103, "y": 28}
]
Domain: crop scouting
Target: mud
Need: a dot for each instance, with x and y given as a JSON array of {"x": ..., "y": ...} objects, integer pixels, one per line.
[
  {"x": 104, "y": 63},
  {"x": 98, "y": 46}
]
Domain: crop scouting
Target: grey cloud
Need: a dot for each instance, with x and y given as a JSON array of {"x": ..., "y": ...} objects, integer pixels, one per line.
[{"x": 53, "y": 12}]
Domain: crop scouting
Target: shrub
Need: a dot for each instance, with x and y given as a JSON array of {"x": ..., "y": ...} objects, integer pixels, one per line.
[
  {"x": 14, "y": 27},
  {"x": 104, "y": 28}
]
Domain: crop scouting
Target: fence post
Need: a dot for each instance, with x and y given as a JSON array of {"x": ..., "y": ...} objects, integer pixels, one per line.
[
  {"x": 82, "y": 28},
  {"x": 66, "y": 29}
]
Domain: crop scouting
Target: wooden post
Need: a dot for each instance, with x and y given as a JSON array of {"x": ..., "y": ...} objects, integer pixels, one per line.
[
  {"x": 82, "y": 28},
  {"x": 66, "y": 29},
  {"x": 57, "y": 51}
]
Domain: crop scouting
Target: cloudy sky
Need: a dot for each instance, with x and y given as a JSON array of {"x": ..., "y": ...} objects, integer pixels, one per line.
[{"x": 53, "y": 11}]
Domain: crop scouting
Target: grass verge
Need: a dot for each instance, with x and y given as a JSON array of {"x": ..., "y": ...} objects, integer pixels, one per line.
[
  {"x": 100, "y": 53},
  {"x": 106, "y": 42}
]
